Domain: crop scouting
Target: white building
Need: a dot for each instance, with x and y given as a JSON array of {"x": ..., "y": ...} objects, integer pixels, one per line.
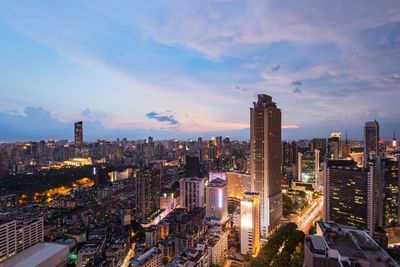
[
  {"x": 151, "y": 258},
  {"x": 16, "y": 236},
  {"x": 217, "y": 245},
  {"x": 217, "y": 201},
  {"x": 192, "y": 193},
  {"x": 250, "y": 224}
]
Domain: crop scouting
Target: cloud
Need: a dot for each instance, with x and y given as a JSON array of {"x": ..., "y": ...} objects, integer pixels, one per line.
[
  {"x": 296, "y": 84},
  {"x": 162, "y": 117},
  {"x": 275, "y": 67},
  {"x": 290, "y": 126},
  {"x": 241, "y": 89}
]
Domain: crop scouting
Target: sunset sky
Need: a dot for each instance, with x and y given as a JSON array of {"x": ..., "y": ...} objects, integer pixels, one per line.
[{"x": 182, "y": 69}]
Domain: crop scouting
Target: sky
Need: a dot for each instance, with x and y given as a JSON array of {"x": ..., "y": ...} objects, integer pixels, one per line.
[{"x": 183, "y": 69}]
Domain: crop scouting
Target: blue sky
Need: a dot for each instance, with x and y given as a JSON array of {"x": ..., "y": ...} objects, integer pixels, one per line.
[{"x": 181, "y": 69}]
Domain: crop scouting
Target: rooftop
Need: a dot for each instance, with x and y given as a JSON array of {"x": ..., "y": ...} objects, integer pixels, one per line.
[{"x": 37, "y": 254}]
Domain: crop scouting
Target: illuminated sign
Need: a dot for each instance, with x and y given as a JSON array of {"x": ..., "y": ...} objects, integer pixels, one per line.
[{"x": 220, "y": 198}]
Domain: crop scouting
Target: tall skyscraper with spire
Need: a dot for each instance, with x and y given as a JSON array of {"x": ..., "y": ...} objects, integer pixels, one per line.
[{"x": 266, "y": 160}]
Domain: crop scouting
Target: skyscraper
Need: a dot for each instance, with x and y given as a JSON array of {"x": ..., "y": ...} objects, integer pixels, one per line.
[
  {"x": 347, "y": 196},
  {"x": 266, "y": 161},
  {"x": 308, "y": 166},
  {"x": 217, "y": 201},
  {"x": 250, "y": 224},
  {"x": 78, "y": 133},
  {"x": 371, "y": 141},
  {"x": 147, "y": 184}
]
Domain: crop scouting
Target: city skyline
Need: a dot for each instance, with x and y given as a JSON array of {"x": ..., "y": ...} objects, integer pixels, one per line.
[{"x": 157, "y": 69}]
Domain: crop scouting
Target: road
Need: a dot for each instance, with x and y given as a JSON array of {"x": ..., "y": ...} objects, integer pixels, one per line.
[{"x": 309, "y": 215}]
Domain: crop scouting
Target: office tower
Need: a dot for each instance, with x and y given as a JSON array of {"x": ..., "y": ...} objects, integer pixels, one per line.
[
  {"x": 238, "y": 184},
  {"x": 147, "y": 185},
  {"x": 266, "y": 160},
  {"x": 78, "y": 133},
  {"x": 18, "y": 235},
  {"x": 320, "y": 145},
  {"x": 342, "y": 245},
  {"x": 289, "y": 157},
  {"x": 192, "y": 166},
  {"x": 347, "y": 194},
  {"x": 100, "y": 176},
  {"x": 386, "y": 183},
  {"x": 192, "y": 193},
  {"x": 308, "y": 166},
  {"x": 346, "y": 149},
  {"x": 217, "y": 201},
  {"x": 250, "y": 224},
  {"x": 371, "y": 141},
  {"x": 334, "y": 148},
  {"x": 215, "y": 174}
]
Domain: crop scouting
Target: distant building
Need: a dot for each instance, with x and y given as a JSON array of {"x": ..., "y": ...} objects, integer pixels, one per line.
[
  {"x": 334, "y": 149},
  {"x": 217, "y": 201},
  {"x": 238, "y": 184},
  {"x": 78, "y": 129},
  {"x": 308, "y": 166},
  {"x": 250, "y": 224},
  {"x": 192, "y": 166},
  {"x": 371, "y": 141},
  {"x": 320, "y": 144},
  {"x": 266, "y": 160},
  {"x": 192, "y": 193},
  {"x": 341, "y": 245}
]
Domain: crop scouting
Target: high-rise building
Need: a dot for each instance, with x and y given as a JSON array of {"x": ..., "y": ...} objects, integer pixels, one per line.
[
  {"x": 386, "y": 184},
  {"x": 238, "y": 184},
  {"x": 308, "y": 166},
  {"x": 191, "y": 193},
  {"x": 217, "y": 201},
  {"x": 394, "y": 141},
  {"x": 266, "y": 160},
  {"x": 371, "y": 141},
  {"x": 319, "y": 144},
  {"x": 347, "y": 194},
  {"x": 250, "y": 224},
  {"x": 192, "y": 166},
  {"x": 334, "y": 148},
  {"x": 147, "y": 183},
  {"x": 78, "y": 133}
]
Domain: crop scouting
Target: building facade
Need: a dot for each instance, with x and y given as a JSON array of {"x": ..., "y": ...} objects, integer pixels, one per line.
[
  {"x": 217, "y": 201},
  {"x": 266, "y": 160},
  {"x": 250, "y": 223},
  {"x": 191, "y": 193}
]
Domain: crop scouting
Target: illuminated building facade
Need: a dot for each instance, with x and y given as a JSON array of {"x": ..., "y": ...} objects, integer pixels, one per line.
[
  {"x": 308, "y": 166},
  {"x": 347, "y": 194},
  {"x": 191, "y": 193},
  {"x": 250, "y": 224},
  {"x": 371, "y": 141},
  {"x": 238, "y": 183},
  {"x": 386, "y": 191},
  {"x": 334, "y": 148},
  {"x": 78, "y": 133},
  {"x": 217, "y": 201},
  {"x": 147, "y": 184},
  {"x": 266, "y": 160}
]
